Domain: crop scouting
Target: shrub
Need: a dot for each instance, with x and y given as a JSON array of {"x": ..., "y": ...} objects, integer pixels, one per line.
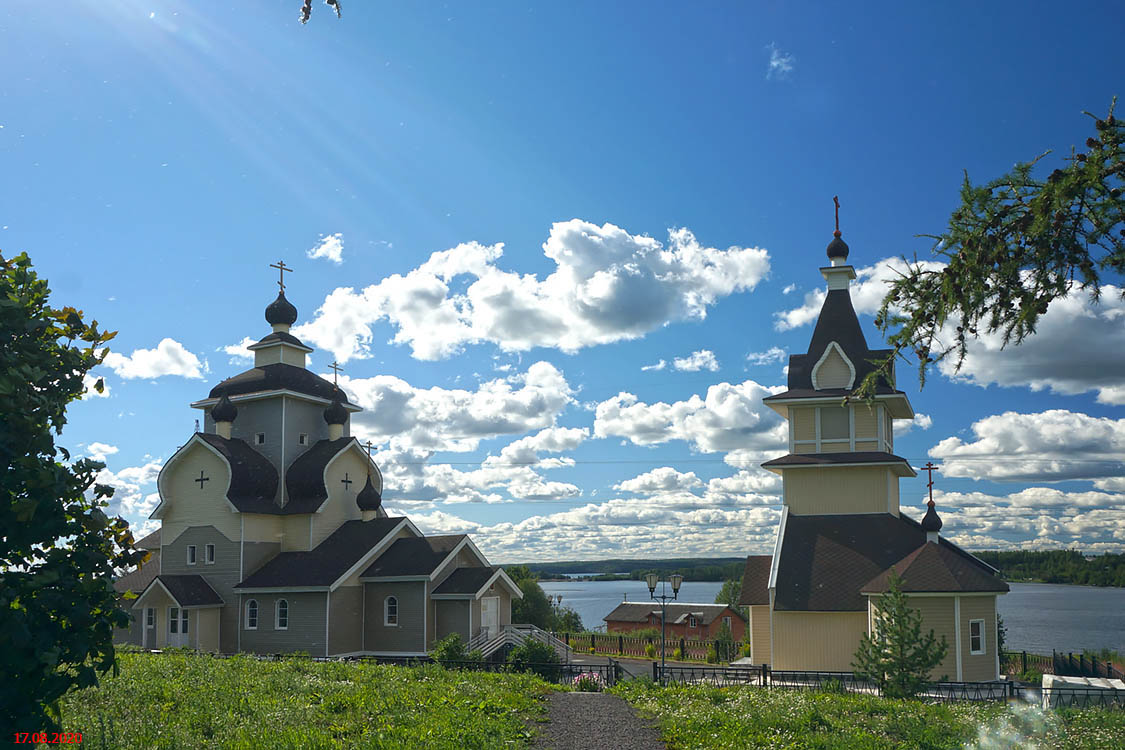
[
  {"x": 712, "y": 655},
  {"x": 678, "y": 654},
  {"x": 1033, "y": 676},
  {"x": 746, "y": 648},
  {"x": 537, "y": 657},
  {"x": 589, "y": 682},
  {"x": 452, "y": 649},
  {"x": 650, "y": 650}
]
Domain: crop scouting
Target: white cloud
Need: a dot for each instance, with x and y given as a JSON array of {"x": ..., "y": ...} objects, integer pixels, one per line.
[
  {"x": 525, "y": 451},
  {"x": 88, "y": 382},
  {"x": 655, "y": 367},
  {"x": 921, "y": 421},
  {"x": 704, "y": 359},
  {"x": 134, "y": 487},
  {"x": 98, "y": 451},
  {"x": 772, "y": 355},
  {"x": 662, "y": 479},
  {"x": 789, "y": 289},
  {"x": 168, "y": 358},
  {"x": 781, "y": 63},
  {"x": 1054, "y": 445},
  {"x": 330, "y": 248},
  {"x": 239, "y": 354},
  {"x": 607, "y": 285}
]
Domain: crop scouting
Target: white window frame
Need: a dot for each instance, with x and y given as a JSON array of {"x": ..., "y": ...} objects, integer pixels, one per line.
[
  {"x": 173, "y": 620},
  {"x": 983, "y": 649},
  {"x": 209, "y": 554},
  {"x": 191, "y": 556},
  {"x": 150, "y": 617},
  {"x": 303, "y": 439},
  {"x": 390, "y": 619},
  {"x": 259, "y": 438},
  {"x": 692, "y": 622},
  {"x": 726, "y": 621},
  {"x": 251, "y": 604},
  {"x": 277, "y": 615}
]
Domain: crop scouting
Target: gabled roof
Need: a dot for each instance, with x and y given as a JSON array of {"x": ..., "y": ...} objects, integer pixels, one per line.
[
  {"x": 797, "y": 460},
  {"x": 756, "y": 580},
  {"x": 275, "y": 377},
  {"x": 304, "y": 479},
  {"x": 677, "y": 612},
  {"x": 150, "y": 541},
  {"x": 414, "y": 557},
  {"x": 466, "y": 583},
  {"x": 253, "y": 479},
  {"x": 185, "y": 590},
  {"x": 827, "y": 560},
  {"x": 323, "y": 565},
  {"x": 935, "y": 568},
  {"x": 138, "y": 580}
]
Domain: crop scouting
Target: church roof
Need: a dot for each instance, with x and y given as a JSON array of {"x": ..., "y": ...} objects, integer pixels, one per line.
[
  {"x": 187, "y": 590},
  {"x": 253, "y": 479},
  {"x": 466, "y": 580},
  {"x": 935, "y": 568},
  {"x": 756, "y": 580},
  {"x": 279, "y": 337},
  {"x": 678, "y": 612},
  {"x": 844, "y": 457},
  {"x": 304, "y": 480},
  {"x": 827, "y": 560},
  {"x": 139, "y": 579},
  {"x": 276, "y": 377},
  {"x": 324, "y": 564},
  {"x": 413, "y": 557}
]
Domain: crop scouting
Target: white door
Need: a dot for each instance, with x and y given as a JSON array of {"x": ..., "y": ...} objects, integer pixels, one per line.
[
  {"x": 148, "y": 628},
  {"x": 177, "y": 627},
  {"x": 490, "y": 614}
]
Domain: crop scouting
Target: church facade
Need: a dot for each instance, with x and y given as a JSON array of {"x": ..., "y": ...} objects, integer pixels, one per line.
[
  {"x": 841, "y": 532},
  {"x": 273, "y": 537}
]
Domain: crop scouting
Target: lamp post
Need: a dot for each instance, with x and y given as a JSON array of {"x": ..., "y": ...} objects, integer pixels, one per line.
[{"x": 652, "y": 579}]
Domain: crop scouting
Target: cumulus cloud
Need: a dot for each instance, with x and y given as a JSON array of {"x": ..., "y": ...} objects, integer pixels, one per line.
[
  {"x": 770, "y": 356},
  {"x": 330, "y": 248},
  {"x": 1049, "y": 446},
  {"x": 168, "y": 358},
  {"x": 780, "y": 64},
  {"x": 88, "y": 382},
  {"x": 704, "y": 359},
  {"x": 525, "y": 451},
  {"x": 654, "y": 367},
  {"x": 921, "y": 421},
  {"x": 135, "y": 495},
  {"x": 98, "y": 451},
  {"x": 607, "y": 285},
  {"x": 239, "y": 354},
  {"x": 662, "y": 479}
]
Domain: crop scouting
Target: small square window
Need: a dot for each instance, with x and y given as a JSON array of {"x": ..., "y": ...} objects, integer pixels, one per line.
[
  {"x": 260, "y": 438},
  {"x": 303, "y": 439},
  {"x": 209, "y": 554},
  {"x": 191, "y": 554}
]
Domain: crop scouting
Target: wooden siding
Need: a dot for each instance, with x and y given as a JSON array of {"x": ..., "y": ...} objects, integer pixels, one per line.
[
  {"x": 261, "y": 528},
  {"x": 760, "y": 637},
  {"x": 353, "y": 579},
  {"x": 407, "y": 636},
  {"x": 850, "y": 489},
  {"x": 937, "y": 615},
  {"x": 263, "y": 415},
  {"x": 804, "y": 448},
  {"x": 804, "y": 423},
  {"x": 889, "y": 430},
  {"x": 257, "y": 554},
  {"x": 978, "y": 666},
  {"x": 222, "y": 575},
  {"x": 867, "y": 445},
  {"x": 306, "y": 624},
  {"x": 866, "y": 423},
  {"x": 345, "y": 622},
  {"x": 452, "y": 616},
  {"x": 820, "y": 641},
  {"x": 833, "y": 372},
  {"x": 340, "y": 505},
  {"x": 187, "y": 505},
  {"x": 295, "y": 533},
  {"x": 206, "y": 629},
  {"x": 159, "y": 601}
]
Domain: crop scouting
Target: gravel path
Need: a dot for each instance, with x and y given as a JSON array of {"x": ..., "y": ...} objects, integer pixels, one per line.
[{"x": 579, "y": 721}]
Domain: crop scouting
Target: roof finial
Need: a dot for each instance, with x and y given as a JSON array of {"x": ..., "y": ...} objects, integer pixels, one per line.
[
  {"x": 335, "y": 368},
  {"x": 836, "y": 200},
  {"x": 281, "y": 269}
]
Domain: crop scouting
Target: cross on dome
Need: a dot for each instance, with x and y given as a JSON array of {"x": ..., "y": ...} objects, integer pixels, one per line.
[{"x": 281, "y": 269}]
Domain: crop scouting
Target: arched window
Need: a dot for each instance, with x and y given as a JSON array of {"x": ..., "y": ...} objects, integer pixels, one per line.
[
  {"x": 281, "y": 615},
  {"x": 390, "y": 611},
  {"x": 252, "y": 615}
]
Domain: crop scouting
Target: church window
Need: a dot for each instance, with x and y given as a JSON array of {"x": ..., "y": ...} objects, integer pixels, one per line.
[
  {"x": 252, "y": 615},
  {"x": 191, "y": 554},
  {"x": 209, "y": 554},
  {"x": 260, "y": 438},
  {"x": 281, "y": 620},
  {"x": 834, "y": 423},
  {"x": 390, "y": 611},
  {"x": 976, "y": 636}
]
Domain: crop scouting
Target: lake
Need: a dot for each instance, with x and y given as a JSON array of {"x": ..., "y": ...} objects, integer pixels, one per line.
[{"x": 1039, "y": 616}]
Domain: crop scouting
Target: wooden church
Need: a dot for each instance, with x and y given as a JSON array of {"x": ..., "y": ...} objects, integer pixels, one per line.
[{"x": 841, "y": 532}]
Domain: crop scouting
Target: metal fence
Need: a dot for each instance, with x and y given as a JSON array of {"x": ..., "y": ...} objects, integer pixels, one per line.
[
  {"x": 1069, "y": 664},
  {"x": 680, "y": 649},
  {"x": 1083, "y": 697}
]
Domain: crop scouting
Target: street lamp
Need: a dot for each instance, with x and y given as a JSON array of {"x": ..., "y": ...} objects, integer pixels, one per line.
[{"x": 652, "y": 579}]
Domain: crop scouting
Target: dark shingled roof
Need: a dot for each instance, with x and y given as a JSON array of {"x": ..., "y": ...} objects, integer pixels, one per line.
[
  {"x": 152, "y": 541},
  {"x": 827, "y": 459},
  {"x": 275, "y": 377},
  {"x": 282, "y": 336},
  {"x": 190, "y": 590},
  {"x": 413, "y": 557},
  {"x": 324, "y": 564},
  {"x": 756, "y": 580},
  {"x": 253, "y": 481},
  {"x": 305, "y": 478},
  {"x": 826, "y": 560},
  {"x": 677, "y": 612},
  {"x": 139, "y": 579},
  {"x": 466, "y": 580},
  {"x": 935, "y": 568}
]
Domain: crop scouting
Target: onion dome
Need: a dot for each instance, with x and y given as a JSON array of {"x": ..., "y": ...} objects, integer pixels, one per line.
[
  {"x": 932, "y": 521},
  {"x": 369, "y": 497},
  {"x": 224, "y": 411},
  {"x": 281, "y": 311},
  {"x": 336, "y": 413},
  {"x": 837, "y": 248}
]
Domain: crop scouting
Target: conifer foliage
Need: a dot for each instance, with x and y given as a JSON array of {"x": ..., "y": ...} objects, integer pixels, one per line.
[
  {"x": 897, "y": 656},
  {"x": 58, "y": 549}
]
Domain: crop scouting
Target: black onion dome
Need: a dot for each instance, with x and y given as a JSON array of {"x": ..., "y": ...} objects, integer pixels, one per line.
[
  {"x": 837, "y": 248},
  {"x": 369, "y": 497},
  {"x": 224, "y": 411},
  {"x": 336, "y": 413},
  {"x": 281, "y": 310},
  {"x": 932, "y": 521}
]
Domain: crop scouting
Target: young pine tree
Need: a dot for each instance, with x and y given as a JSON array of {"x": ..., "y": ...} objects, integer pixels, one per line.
[{"x": 897, "y": 656}]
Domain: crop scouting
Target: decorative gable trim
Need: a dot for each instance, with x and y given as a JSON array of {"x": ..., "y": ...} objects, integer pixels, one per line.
[
  {"x": 466, "y": 542},
  {"x": 832, "y": 346},
  {"x": 158, "y": 511},
  {"x": 352, "y": 444},
  {"x": 388, "y": 539},
  {"x": 777, "y": 551}
]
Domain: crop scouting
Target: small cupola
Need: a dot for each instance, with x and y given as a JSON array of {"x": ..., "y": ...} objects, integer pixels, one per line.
[
  {"x": 280, "y": 313},
  {"x": 224, "y": 413},
  {"x": 931, "y": 523},
  {"x": 369, "y": 500},
  {"x": 839, "y": 274},
  {"x": 336, "y": 416},
  {"x": 837, "y": 249}
]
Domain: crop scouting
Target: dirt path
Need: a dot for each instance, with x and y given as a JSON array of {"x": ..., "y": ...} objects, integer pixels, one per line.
[{"x": 595, "y": 721}]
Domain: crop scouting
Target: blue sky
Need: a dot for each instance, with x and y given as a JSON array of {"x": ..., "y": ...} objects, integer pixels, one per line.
[{"x": 519, "y": 208}]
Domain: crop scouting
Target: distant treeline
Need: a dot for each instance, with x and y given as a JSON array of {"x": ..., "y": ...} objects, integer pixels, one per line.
[
  {"x": 692, "y": 569},
  {"x": 1058, "y": 566}
]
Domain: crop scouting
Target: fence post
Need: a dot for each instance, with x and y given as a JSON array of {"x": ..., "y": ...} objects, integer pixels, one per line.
[
  {"x": 593, "y": 645},
  {"x": 620, "y": 644},
  {"x": 1082, "y": 665},
  {"x": 566, "y": 639},
  {"x": 765, "y": 675},
  {"x": 1024, "y": 670},
  {"x": 655, "y": 675},
  {"x": 683, "y": 650}
]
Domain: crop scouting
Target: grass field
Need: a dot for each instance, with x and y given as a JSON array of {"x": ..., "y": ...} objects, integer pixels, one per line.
[
  {"x": 185, "y": 701},
  {"x": 713, "y": 718}
]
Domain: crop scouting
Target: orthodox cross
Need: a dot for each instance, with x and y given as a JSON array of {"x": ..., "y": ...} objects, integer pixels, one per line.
[
  {"x": 929, "y": 468},
  {"x": 836, "y": 200},
  {"x": 281, "y": 269},
  {"x": 369, "y": 445},
  {"x": 335, "y": 368},
  {"x": 346, "y": 482},
  {"x": 201, "y": 479}
]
